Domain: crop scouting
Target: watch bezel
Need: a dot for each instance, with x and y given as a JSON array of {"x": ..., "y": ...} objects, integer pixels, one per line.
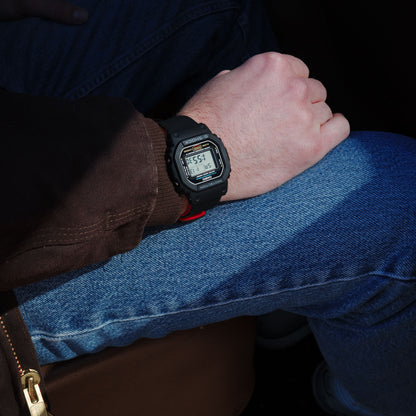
[
  {"x": 181, "y": 167},
  {"x": 202, "y": 192}
]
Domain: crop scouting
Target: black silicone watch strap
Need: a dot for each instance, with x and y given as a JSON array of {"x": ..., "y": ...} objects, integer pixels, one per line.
[
  {"x": 180, "y": 128},
  {"x": 184, "y": 127}
]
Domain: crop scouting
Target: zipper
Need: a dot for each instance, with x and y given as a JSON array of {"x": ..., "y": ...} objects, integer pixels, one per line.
[
  {"x": 30, "y": 384},
  {"x": 30, "y": 380}
]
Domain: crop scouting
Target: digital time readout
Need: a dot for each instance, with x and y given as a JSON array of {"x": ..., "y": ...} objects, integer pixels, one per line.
[{"x": 200, "y": 163}]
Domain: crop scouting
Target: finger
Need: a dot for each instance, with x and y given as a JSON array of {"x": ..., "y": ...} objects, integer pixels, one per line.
[
  {"x": 225, "y": 71},
  {"x": 57, "y": 10},
  {"x": 317, "y": 91},
  {"x": 298, "y": 66},
  {"x": 335, "y": 130},
  {"x": 322, "y": 112}
]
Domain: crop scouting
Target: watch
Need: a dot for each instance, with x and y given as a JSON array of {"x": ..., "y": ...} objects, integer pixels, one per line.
[{"x": 197, "y": 163}]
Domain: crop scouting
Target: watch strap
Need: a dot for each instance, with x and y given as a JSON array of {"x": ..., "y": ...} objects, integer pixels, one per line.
[
  {"x": 180, "y": 128},
  {"x": 183, "y": 126}
]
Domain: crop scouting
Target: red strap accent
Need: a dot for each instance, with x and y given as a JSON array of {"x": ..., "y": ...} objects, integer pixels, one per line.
[
  {"x": 184, "y": 218},
  {"x": 187, "y": 210}
]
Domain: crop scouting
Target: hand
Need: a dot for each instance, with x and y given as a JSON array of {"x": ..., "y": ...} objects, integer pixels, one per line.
[
  {"x": 272, "y": 118},
  {"x": 58, "y": 10}
]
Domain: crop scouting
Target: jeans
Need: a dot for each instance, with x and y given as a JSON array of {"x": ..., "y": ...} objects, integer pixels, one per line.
[{"x": 335, "y": 244}]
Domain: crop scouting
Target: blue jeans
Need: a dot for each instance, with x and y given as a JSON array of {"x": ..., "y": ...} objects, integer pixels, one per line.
[{"x": 335, "y": 244}]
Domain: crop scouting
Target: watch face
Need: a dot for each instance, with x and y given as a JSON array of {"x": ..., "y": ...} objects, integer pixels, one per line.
[{"x": 201, "y": 162}]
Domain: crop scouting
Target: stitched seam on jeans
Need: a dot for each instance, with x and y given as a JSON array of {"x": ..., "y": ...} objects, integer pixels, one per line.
[
  {"x": 145, "y": 46},
  {"x": 56, "y": 337},
  {"x": 68, "y": 335},
  {"x": 393, "y": 276}
]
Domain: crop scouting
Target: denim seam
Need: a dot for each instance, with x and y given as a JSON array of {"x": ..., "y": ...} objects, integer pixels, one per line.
[
  {"x": 391, "y": 276},
  {"x": 146, "y": 45},
  {"x": 51, "y": 337}
]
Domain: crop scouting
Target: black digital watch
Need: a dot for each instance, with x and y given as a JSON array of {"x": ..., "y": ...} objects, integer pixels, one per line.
[{"x": 197, "y": 162}]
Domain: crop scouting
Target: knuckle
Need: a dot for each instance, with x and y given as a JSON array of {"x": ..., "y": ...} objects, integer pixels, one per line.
[
  {"x": 346, "y": 127},
  {"x": 321, "y": 88},
  {"x": 305, "y": 117},
  {"x": 299, "y": 88},
  {"x": 341, "y": 127},
  {"x": 299, "y": 66},
  {"x": 271, "y": 61}
]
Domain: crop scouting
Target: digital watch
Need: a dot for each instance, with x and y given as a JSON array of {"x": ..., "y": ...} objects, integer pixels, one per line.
[{"x": 197, "y": 163}]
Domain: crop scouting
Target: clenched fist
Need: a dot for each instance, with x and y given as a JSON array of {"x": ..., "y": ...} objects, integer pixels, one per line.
[{"x": 272, "y": 118}]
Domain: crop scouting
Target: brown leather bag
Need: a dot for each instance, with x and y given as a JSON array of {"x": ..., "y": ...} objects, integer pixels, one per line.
[{"x": 204, "y": 371}]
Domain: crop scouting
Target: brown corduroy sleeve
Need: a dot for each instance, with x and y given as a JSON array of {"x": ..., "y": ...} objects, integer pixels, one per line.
[{"x": 79, "y": 181}]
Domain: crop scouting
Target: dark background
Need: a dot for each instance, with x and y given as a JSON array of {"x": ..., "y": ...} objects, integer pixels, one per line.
[
  {"x": 363, "y": 52},
  {"x": 283, "y": 381}
]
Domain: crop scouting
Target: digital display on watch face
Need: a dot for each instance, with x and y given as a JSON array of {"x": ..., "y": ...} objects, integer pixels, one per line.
[{"x": 200, "y": 163}]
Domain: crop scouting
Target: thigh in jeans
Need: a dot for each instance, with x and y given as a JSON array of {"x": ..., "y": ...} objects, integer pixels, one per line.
[{"x": 324, "y": 245}]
